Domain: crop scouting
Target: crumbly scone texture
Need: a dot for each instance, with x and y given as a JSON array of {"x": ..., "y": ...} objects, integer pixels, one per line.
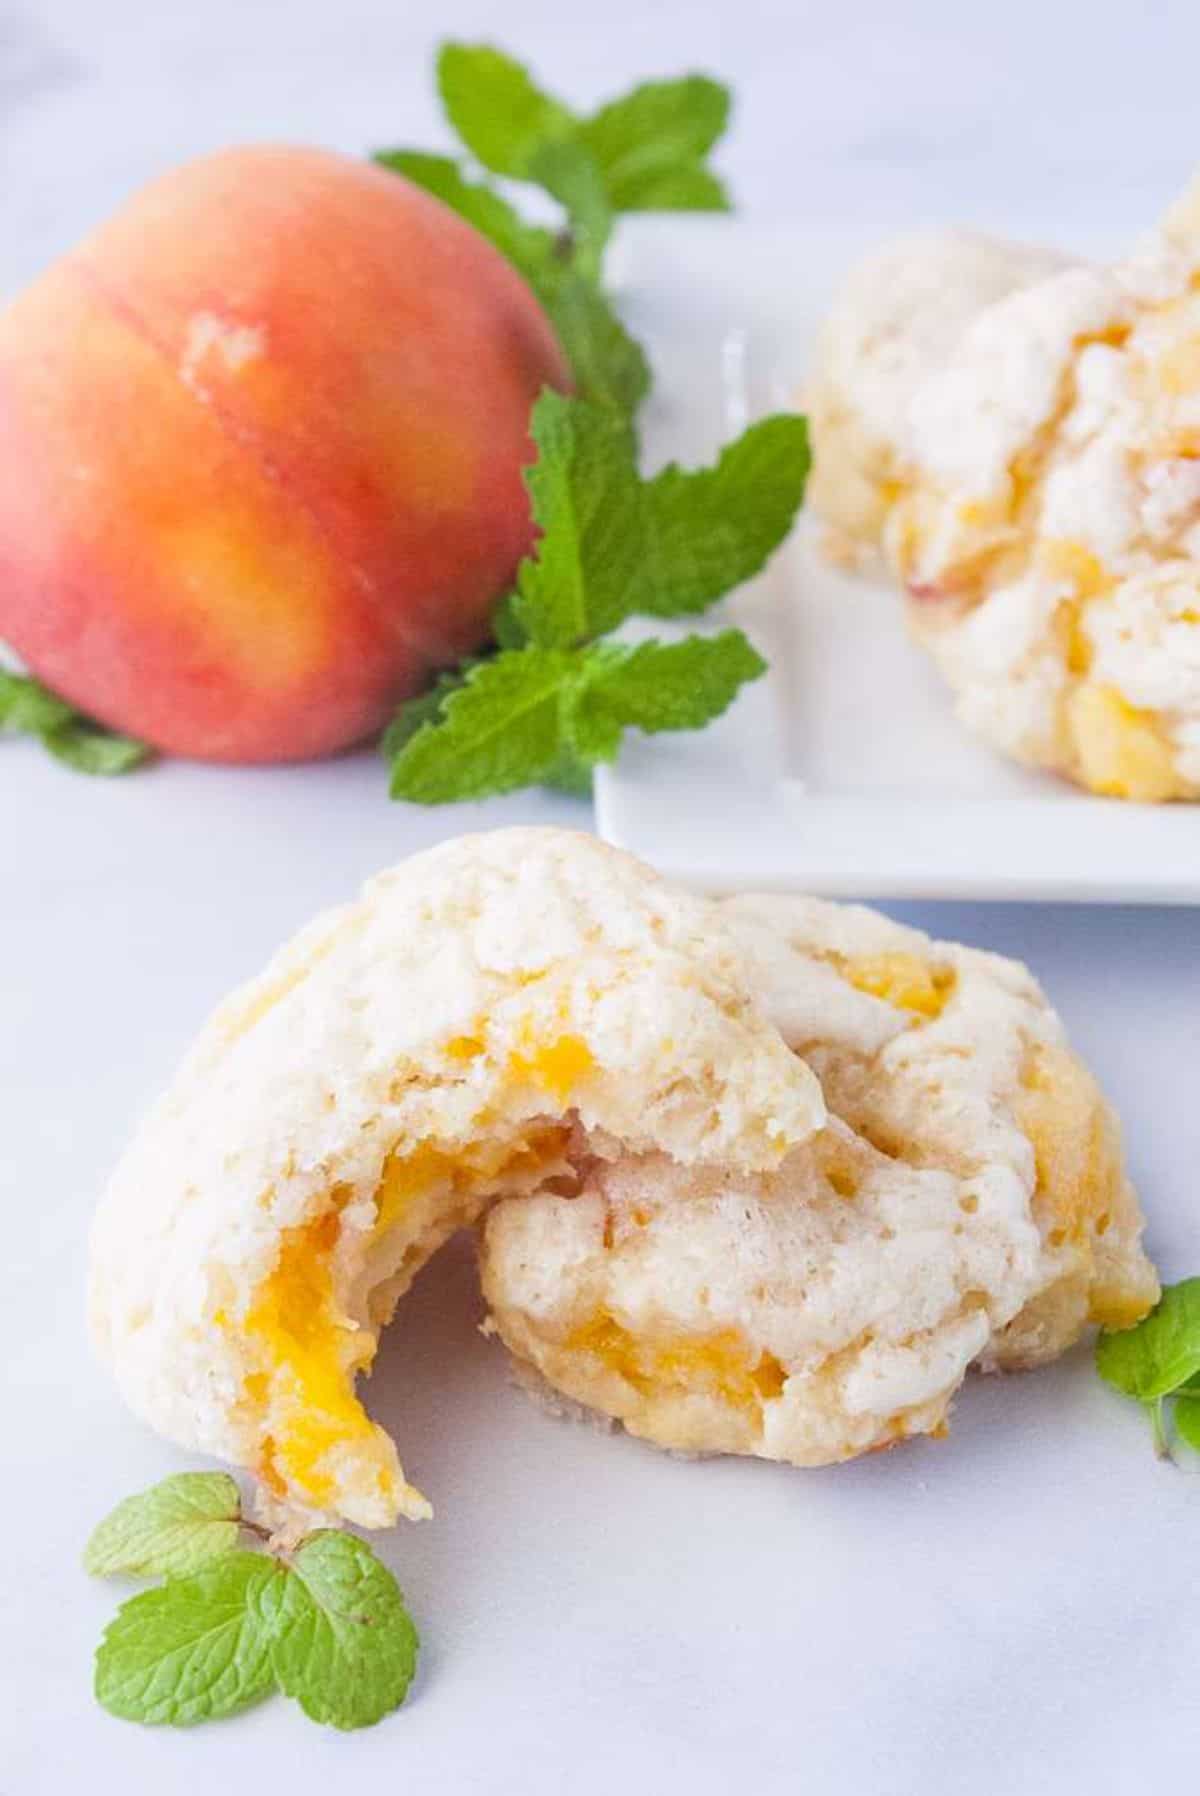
[
  {"x": 485, "y": 1014},
  {"x": 897, "y": 317},
  {"x": 966, "y": 1204}
]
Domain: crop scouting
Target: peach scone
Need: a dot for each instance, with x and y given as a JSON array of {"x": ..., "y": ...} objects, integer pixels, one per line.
[
  {"x": 898, "y": 316},
  {"x": 1039, "y": 501},
  {"x": 965, "y": 1204},
  {"x": 486, "y": 1014},
  {"x": 623, "y": 1084}
]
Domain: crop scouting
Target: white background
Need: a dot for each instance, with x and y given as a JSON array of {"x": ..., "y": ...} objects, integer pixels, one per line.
[{"x": 1013, "y": 1610}]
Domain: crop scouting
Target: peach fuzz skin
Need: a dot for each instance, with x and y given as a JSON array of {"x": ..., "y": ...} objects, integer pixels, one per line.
[{"x": 262, "y": 438}]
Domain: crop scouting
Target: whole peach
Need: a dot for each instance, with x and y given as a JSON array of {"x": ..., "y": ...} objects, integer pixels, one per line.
[{"x": 262, "y": 438}]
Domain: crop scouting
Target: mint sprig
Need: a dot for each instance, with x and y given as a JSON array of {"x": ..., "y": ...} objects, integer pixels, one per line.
[
  {"x": 646, "y": 151},
  {"x": 496, "y": 107},
  {"x": 652, "y": 145},
  {"x": 326, "y": 1624},
  {"x": 1159, "y": 1360},
  {"x": 557, "y": 696},
  {"x": 649, "y": 147},
  {"x": 31, "y": 709}
]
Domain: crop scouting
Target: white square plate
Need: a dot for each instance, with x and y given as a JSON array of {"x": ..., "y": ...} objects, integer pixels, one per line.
[{"x": 844, "y": 770}]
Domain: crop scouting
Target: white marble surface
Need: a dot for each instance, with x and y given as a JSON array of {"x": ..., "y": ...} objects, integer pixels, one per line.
[{"x": 1011, "y": 1611}]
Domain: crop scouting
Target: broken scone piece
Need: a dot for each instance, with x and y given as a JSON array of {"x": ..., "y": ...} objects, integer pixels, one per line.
[
  {"x": 1028, "y": 462},
  {"x": 965, "y": 1204},
  {"x": 484, "y": 1017}
]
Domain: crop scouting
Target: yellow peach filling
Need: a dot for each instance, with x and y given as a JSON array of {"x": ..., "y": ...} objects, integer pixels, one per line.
[
  {"x": 556, "y": 1066},
  {"x": 476, "y": 1168},
  {"x": 1078, "y": 1161},
  {"x": 900, "y": 979},
  {"x": 1122, "y": 752},
  {"x": 310, "y": 1353},
  {"x": 721, "y": 1365}
]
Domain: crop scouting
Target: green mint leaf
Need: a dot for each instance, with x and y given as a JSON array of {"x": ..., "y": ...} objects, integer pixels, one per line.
[
  {"x": 587, "y": 503},
  {"x": 173, "y": 1528},
  {"x": 687, "y": 188},
  {"x": 342, "y": 1643},
  {"x": 32, "y": 709},
  {"x": 610, "y": 368},
  {"x": 713, "y": 528},
  {"x": 425, "y": 708},
  {"x": 651, "y": 143},
  {"x": 526, "y": 246},
  {"x": 571, "y": 175},
  {"x": 495, "y": 107},
  {"x": 1187, "y": 1421},
  {"x": 1161, "y": 1353},
  {"x": 501, "y": 730},
  {"x": 659, "y": 686},
  {"x": 28, "y": 707},
  {"x": 542, "y": 716},
  {"x": 194, "y": 1649},
  {"x": 506, "y": 625},
  {"x": 570, "y": 774},
  {"x": 89, "y": 748}
]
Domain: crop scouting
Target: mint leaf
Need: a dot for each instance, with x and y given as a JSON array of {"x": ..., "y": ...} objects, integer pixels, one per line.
[
  {"x": 682, "y": 189},
  {"x": 501, "y": 730},
  {"x": 650, "y": 145},
  {"x": 526, "y": 246},
  {"x": 712, "y": 528},
  {"x": 28, "y": 707},
  {"x": 610, "y": 368},
  {"x": 425, "y": 708},
  {"x": 495, "y": 107},
  {"x": 175, "y": 1527},
  {"x": 1161, "y": 1353},
  {"x": 613, "y": 544},
  {"x": 571, "y": 774},
  {"x": 572, "y": 176},
  {"x": 89, "y": 748},
  {"x": 587, "y": 502},
  {"x": 544, "y": 715},
  {"x": 506, "y": 625},
  {"x": 659, "y": 686},
  {"x": 642, "y": 152},
  {"x": 1187, "y": 1420},
  {"x": 194, "y": 1649},
  {"x": 343, "y": 1643}
]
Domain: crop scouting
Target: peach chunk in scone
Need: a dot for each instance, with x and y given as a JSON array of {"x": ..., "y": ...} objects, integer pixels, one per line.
[{"x": 965, "y": 1204}]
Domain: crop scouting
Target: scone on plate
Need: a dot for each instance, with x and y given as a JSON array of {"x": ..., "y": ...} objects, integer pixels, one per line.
[
  {"x": 965, "y": 1204},
  {"x": 1040, "y": 498},
  {"x": 898, "y": 317},
  {"x": 485, "y": 1014}
]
